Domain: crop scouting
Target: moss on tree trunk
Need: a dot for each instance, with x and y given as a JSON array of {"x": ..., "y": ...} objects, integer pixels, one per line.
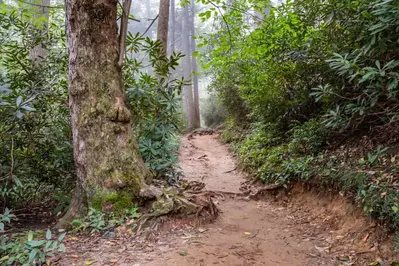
[{"x": 105, "y": 149}]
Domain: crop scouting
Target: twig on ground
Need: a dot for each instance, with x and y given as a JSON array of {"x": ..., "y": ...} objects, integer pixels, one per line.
[{"x": 230, "y": 170}]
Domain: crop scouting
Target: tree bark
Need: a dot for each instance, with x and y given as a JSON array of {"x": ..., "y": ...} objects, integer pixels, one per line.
[
  {"x": 105, "y": 149},
  {"x": 163, "y": 24},
  {"x": 172, "y": 21},
  {"x": 197, "y": 121},
  {"x": 188, "y": 104},
  {"x": 123, "y": 30},
  {"x": 149, "y": 13}
]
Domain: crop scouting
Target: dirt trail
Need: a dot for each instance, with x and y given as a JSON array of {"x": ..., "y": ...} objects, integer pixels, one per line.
[
  {"x": 205, "y": 159},
  {"x": 247, "y": 232}
]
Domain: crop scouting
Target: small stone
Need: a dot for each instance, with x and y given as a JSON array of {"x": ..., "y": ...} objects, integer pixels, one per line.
[{"x": 183, "y": 252}]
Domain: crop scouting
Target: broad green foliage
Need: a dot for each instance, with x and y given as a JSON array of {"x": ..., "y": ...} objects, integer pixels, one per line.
[
  {"x": 34, "y": 125},
  {"x": 341, "y": 54},
  {"x": 308, "y": 138},
  {"x": 368, "y": 93},
  {"x": 307, "y": 75},
  {"x": 155, "y": 103},
  {"x": 99, "y": 222},
  {"x": 5, "y": 218},
  {"x": 28, "y": 248},
  {"x": 280, "y": 159}
]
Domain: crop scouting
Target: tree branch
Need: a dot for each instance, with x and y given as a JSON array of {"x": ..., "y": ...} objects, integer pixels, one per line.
[
  {"x": 149, "y": 27},
  {"x": 123, "y": 31},
  {"x": 225, "y": 21}
]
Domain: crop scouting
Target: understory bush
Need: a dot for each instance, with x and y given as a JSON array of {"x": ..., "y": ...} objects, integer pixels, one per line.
[
  {"x": 29, "y": 248},
  {"x": 155, "y": 103},
  {"x": 35, "y": 136},
  {"x": 97, "y": 221},
  {"x": 370, "y": 181},
  {"x": 305, "y": 80}
]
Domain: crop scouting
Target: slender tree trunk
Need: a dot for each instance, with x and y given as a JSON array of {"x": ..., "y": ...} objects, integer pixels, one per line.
[
  {"x": 123, "y": 31},
  {"x": 150, "y": 33},
  {"x": 197, "y": 121},
  {"x": 38, "y": 53},
  {"x": 163, "y": 24},
  {"x": 105, "y": 150},
  {"x": 172, "y": 21},
  {"x": 188, "y": 104}
]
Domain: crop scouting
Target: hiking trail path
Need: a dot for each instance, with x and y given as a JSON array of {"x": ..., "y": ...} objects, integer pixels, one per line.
[{"x": 271, "y": 231}]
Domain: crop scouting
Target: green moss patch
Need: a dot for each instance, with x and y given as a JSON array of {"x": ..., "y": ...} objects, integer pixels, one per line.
[{"x": 116, "y": 202}]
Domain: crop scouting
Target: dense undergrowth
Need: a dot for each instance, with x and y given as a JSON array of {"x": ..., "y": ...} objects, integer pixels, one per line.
[
  {"x": 37, "y": 174},
  {"x": 35, "y": 135},
  {"x": 311, "y": 93}
]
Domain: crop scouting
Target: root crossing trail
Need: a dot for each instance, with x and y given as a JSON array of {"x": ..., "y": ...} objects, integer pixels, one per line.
[{"x": 310, "y": 230}]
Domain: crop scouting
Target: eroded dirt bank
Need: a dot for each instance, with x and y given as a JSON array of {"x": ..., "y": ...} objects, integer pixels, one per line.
[{"x": 304, "y": 229}]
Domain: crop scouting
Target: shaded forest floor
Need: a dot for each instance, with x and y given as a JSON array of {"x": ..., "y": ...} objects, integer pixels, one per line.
[{"x": 299, "y": 228}]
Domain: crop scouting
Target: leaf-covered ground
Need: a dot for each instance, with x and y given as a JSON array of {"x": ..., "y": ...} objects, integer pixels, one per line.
[{"x": 301, "y": 228}]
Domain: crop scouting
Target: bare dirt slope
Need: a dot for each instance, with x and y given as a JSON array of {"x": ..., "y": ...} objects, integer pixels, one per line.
[{"x": 307, "y": 229}]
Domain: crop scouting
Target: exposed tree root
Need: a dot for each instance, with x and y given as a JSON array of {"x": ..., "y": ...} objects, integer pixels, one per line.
[
  {"x": 190, "y": 201},
  {"x": 253, "y": 190},
  {"x": 256, "y": 193},
  {"x": 201, "y": 132}
]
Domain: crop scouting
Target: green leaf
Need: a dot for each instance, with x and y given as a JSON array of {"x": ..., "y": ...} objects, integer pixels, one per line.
[
  {"x": 367, "y": 76},
  {"x": 4, "y": 258},
  {"x": 61, "y": 247},
  {"x": 61, "y": 237},
  {"x": 30, "y": 236},
  {"x": 32, "y": 254},
  {"x": 28, "y": 108},
  {"x": 36, "y": 243},
  {"x": 19, "y": 100},
  {"x": 48, "y": 234},
  {"x": 377, "y": 63}
]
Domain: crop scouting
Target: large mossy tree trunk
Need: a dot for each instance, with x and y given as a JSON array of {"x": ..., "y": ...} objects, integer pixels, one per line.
[{"x": 110, "y": 171}]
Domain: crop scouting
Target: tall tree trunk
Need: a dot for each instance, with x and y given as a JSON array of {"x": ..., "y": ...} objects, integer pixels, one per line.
[
  {"x": 172, "y": 21},
  {"x": 188, "y": 104},
  {"x": 163, "y": 24},
  {"x": 108, "y": 165},
  {"x": 196, "y": 122},
  {"x": 150, "y": 33},
  {"x": 38, "y": 52}
]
